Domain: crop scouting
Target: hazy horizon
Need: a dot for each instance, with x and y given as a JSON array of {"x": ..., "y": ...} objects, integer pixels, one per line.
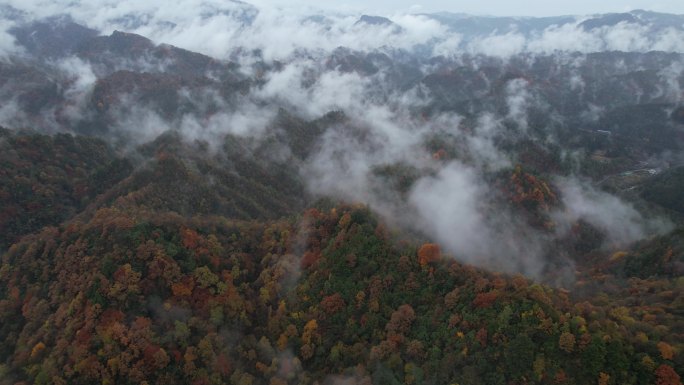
[
  {"x": 497, "y": 8},
  {"x": 531, "y": 8}
]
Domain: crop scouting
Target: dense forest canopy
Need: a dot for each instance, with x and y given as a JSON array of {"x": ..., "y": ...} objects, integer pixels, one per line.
[{"x": 227, "y": 193}]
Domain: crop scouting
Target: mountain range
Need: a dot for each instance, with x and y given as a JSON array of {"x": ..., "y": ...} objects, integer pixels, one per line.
[{"x": 274, "y": 198}]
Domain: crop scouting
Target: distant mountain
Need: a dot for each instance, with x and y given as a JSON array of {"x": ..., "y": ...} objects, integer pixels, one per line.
[
  {"x": 658, "y": 21},
  {"x": 471, "y": 26},
  {"x": 374, "y": 20},
  {"x": 132, "y": 69},
  {"x": 52, "y": 37}
]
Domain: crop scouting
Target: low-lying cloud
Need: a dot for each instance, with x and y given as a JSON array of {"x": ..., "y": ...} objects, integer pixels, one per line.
[
  {"x": 223, "y": 28},
  {"x": 621, "y": 223},
  {"x": 287, "y": 59}
]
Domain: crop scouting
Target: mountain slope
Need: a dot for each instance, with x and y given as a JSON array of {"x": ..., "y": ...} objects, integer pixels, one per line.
[{"x": 158, "y": 298}]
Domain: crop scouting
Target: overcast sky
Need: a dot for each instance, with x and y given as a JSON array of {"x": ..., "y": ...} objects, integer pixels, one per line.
[{"x": 494, "y": 7}]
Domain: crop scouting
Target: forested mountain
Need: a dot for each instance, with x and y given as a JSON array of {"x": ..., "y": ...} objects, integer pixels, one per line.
[{"x": 424, "y": 199}]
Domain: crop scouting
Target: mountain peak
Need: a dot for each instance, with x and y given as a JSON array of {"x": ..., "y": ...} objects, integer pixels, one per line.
[
  {"x": 608, "y": 20},
  {"x": 374, "y": 20}
]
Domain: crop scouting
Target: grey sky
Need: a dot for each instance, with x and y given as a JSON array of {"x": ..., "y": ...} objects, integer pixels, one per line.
[{"x": 494, "y": 7}]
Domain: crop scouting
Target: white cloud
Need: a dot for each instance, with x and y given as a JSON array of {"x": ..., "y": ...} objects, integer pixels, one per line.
[
  {"x": 619, "y": 220},
  {"x": 448, "y": 201},
  {"x": 221, "y": 28},
  {"x": 566, "y": 37},
  {"x": 498, "y": 45},
  {"x": 8, "y": 44}
]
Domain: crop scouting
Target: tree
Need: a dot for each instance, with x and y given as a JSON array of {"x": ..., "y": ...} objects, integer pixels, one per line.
[
  {"x": 485, "y": 300},
  {"x": 593, "y": 358},
  {"x": 666, "y": 350},
  {"x": 428, "y": 253},
  {"x": 520, "y": 354},
  {"x": 401, "y": 320},
  {"x": 37, "y": 349},
  {"x": 481, "y": 337},
  {"x": 566, "y": 342},
  {"x": 451, "y": 298},
  {"x": 665, "y": 375},
  {"x": 333, "y": 303}
]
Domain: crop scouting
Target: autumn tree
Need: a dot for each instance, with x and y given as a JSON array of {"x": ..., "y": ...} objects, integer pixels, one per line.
[
  {"x": 428, "y": 253},
  {"x": 401, "y": 320},
  {"x": 666, "y": 350},
  {"x": 333, "y": 303},
  {"x": 665, "y": 375},
  {"x": 566, "y": 342}
]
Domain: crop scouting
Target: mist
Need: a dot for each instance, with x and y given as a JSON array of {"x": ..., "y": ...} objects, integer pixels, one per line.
[
  {"x": 221, "y": 29},
  {"x": 390, "y": 80}
]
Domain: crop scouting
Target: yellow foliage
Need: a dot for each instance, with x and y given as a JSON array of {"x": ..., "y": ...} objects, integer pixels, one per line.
[
  {"x": 648, "y": 362},
  {"x": 642, "y": 337},
  {"x": 296, "y": 315},
  {"x": 622, "y": 314},
  {"x": 345, "y": 221},
  {"x": 618, "y": 255}
]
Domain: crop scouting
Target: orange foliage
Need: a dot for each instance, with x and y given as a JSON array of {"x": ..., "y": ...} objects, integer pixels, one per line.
[
  {"x": 528, "y": 188},
  {"x": 485, "y": 300},
  {"x": 183, "y": 288},
  {"x": 37, "y": 349},
  {"x": 282, "y": 342},
  {"x": 666, "y": 351},
  {"x": 141, "y": 323},
  {"x": 309, "y": 331},
  {"x": 190, "y": 239},
  {"x": 427, "y": 253}
]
